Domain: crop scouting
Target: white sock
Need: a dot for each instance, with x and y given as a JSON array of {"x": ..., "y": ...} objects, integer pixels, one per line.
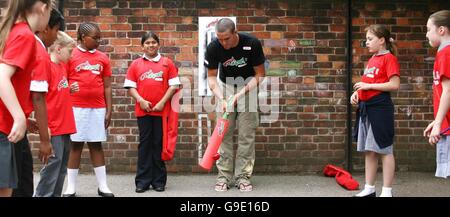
[
  {"x": 368, "y": 189},
  {"x": 71, "y": 180},
  {"x": 100, "y": 173},
  {"x": 386, "y": 192}
]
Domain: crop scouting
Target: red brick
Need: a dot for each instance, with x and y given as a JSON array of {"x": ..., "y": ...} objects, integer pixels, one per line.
[
  {"x": 120, "y": 41},
  {"x": 261, "y": 35},
  {"x": 153, "y": 27},
  {"x": 154, "y": 12},
  {"x": 171, "y": 19},
  {"x": 242, "y": 12},
  {"x": 259, "y": 27},
  {"x": 120, "y": 27},
  {"x": 222, "y": 12}
]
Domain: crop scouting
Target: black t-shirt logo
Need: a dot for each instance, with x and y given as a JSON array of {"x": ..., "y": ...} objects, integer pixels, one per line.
[{"x": 237, "y": 63}]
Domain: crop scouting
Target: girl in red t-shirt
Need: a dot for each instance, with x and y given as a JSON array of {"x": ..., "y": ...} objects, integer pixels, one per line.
[
  {"x": 375, "y": 129},
  {"x": 90, "y": 80},
  {"x": 152, "y": 80},
  {"x": 17, "y": 51},
  {"x": 438, "y": 34}
]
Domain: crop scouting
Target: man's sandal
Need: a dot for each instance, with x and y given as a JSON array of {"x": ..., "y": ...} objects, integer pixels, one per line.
[
  {"x": 221, "y": 186},
  {"x": 245, "y": 187}
]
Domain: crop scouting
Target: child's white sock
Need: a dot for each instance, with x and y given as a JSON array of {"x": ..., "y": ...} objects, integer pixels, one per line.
[
  {"x": 386, "y": 192},
  {"x": 368, "y": 189},
  {"x": 71, "y": 180},
  {"x": 100, "y": 173}
]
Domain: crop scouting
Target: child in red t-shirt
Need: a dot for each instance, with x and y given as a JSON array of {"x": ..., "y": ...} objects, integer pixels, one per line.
[
  {"x": 60, "y": 116},
  {"x": 375, "y": 129},
  {"x": 39, "y": 85},
  {"x": 90, "y": 81},
  {"x": 151, "y": 80},
  {"x": 438, "y": 34},
  {"x": 17, "y": 51}
]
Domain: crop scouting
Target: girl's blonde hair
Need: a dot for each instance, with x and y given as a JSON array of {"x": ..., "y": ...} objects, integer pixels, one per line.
[
  {"x": 441, "y": 18},
  {"x": 16, "y": 9},
  {"x": 382, "y": 31},
  {"x": 62, "y": 40}
]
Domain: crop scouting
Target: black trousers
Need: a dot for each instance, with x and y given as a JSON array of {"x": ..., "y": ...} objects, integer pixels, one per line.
[
  {"x": 24, "y": 162},
  {"x": 151, "y": 169}
]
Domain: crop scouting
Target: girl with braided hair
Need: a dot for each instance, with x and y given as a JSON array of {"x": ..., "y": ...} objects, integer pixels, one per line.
[{"x": 90, "y": 82}]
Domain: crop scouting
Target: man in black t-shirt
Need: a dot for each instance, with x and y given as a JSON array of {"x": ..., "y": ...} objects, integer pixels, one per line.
[{"x": 240, "y": 59}]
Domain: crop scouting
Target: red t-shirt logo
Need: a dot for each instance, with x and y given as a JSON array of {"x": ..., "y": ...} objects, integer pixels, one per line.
[
  {"x": 96, "y": 69},
  {"x": 157, "y": 76},
  {"x": 371, "y": 72},
  {"x": 436, "y": 77},
  {"x": 63, "y": 84}
]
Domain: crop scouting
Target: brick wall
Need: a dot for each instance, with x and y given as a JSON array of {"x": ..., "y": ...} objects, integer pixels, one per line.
[{"x": 305, "y": 43}]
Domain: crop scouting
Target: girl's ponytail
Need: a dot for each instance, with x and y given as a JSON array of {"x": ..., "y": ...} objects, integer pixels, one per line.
[{"x": 390, "y": 45}]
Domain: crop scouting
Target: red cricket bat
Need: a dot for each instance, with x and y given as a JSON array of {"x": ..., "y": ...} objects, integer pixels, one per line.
[{"x": 219, "y": 132}]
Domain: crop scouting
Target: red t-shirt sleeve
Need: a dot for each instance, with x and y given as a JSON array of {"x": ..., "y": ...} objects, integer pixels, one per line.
[
  {"x": 392, "y": 66},
  {"x": 41, "y": 71},
  {"x": 19, "y": 51},
  {"x": 444, "y": 66},
  {"x": 131, "y": 73}
]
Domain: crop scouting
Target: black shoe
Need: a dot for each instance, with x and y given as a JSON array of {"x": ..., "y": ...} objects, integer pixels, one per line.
[
  {"x": 69, "y": 195},
  {"x": 141, "y": 190},
  {"x": 103, "y": 194},
  {"x": 374, "y": 194},
  {"x": 159, "y": 189}
]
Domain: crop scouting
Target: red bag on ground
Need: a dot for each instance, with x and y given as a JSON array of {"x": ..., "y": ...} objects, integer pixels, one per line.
[
  {"x": 345, "y": 180},
  {"x": 343, "y": 177},
  {"x": 331, "y": 170}
]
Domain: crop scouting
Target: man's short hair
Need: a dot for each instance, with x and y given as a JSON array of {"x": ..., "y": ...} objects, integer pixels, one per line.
[{"x": 225, "y": 24}]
